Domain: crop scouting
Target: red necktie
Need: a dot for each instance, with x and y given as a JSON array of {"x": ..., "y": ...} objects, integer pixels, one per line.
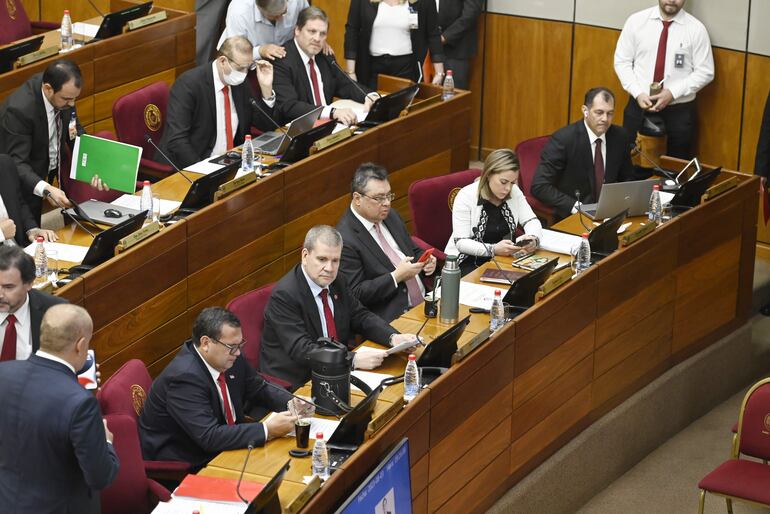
[
  {"x": 415, "y": 296},
  {"x": 228, "y": 118},
  {"x": 225, "y": 399},
  {"x": 660, "y": 61},
  {"x": 314, "y": 81},
  {"x": 331, "y": 328},
  {"x": 9, "y": 341},
  {"x": 598, "y": 168}
]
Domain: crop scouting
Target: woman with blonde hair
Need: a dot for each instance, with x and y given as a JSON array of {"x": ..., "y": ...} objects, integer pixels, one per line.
[{"x": 487, "y": 213}]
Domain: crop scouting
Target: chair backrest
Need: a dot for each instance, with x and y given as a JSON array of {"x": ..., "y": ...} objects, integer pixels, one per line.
[
  {"x": 430, "y": 201},
  {"x": 126, "y": 390},
  {"x": 129, "y": 493},
  {"x": 14, "y": 23},
  {"x": 250, "y": 309},
  {"x": 528, "y": 153},
  {"x": 141, "y": 112},
  {"x": 754, "y": 422}
]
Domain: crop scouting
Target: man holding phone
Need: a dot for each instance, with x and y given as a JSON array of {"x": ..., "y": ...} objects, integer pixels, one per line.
[{"x": 379, "y": 260}]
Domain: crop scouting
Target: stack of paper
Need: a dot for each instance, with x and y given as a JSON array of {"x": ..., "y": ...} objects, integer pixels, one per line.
[{"x": 558, "y": 242}]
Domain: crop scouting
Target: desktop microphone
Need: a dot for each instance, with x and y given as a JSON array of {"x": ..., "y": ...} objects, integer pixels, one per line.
[
  {"x": 251, "y": 445},
  {"x": 78, "y": 210},
  {"x": 356, "y": 84},
  {"x": 580, "y": 210},
  {"x": 149, "y": 140},
  {"x": 255, "y": 105},
  {"x": 638, "y": 149},
  {"x": 317, "y": 408}
]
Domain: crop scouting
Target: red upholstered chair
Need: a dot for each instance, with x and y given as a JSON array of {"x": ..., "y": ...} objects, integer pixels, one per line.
[
  {"x": 143, "y": 112},
  {"x": 15, "y": 24},
  {"x": 528, "y": 153},
  {"x": 250, "y": 309},
  {"x": 430, "y": 201},
  {"x": 124, "y": 393},
  {"x": 743, "y": 479},
  {"x": 131, "y": 492}
]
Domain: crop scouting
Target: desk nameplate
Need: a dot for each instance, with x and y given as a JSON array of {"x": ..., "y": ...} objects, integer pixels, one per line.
[
  {"x": 628, "y": 238},
  {"x": 146, "y": 20},
  {"x": 718, "y": 189},
  {"x": 235, "y": 184},
  {"x": 39, "y": 55},
  {"x": 137, "y": 237},
  {"x": 310, "y": 489}
]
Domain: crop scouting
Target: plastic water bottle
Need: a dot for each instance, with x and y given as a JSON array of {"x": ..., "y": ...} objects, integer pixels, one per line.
[
  {"x": 41, "y": 259},
  {"x": 449, "y": 86},
  {"x": 496, "y": 313},
  {"x": 656, "y": 209},
  {"x": 583, "y": 255},
  {"x": 411, "y": 379},
  {"x": 66, "y": 32},
  {"x": 320, "y": 464},
  {"x": 247, "y": 156},
  {"x": 145, "y": 202}
]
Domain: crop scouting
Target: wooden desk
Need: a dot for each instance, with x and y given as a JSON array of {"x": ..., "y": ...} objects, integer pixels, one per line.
[{"x": 555, "y": 369}]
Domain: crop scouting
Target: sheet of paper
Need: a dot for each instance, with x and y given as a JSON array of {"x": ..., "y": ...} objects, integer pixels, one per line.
[
  {"x": 666, "y": 197},
  {"x": 623, "y": 227},
  {"x": 203, "y": 167},
  {"x": 558, "y": 242},
  {"x": 133, "y": 201},
  {"x": 401, "y": 347},
  {"x": 369, "y": 378},
  {"x": 186, "y": 506},
  {"x": 85, "y": 29},
  {"x": 474, "y": 295},
  {"x": 327, "y": 426},
  {"x": 65, "y": 252}
]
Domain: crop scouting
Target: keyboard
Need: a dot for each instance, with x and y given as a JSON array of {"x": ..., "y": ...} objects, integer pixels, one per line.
[{"x": 268, "y": 143}]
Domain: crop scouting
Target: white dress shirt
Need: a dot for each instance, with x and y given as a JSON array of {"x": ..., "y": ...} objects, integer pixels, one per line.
[
  {"x": 245, "y": 19},
  {"x": 592, "y": 137},
  {"x": 326, "y": 112},
  {"x": 23, "y": 330},
  {"x": 369, "y": 226},
  {"x": 220, "y": 145},
  {"x": 390, "y": 32},
  {"x": 53, "y": 143},
  {"x": 637, "y": 51},
  {"x": 315, "y": 290},
  {"x": 51, "y": 357}
]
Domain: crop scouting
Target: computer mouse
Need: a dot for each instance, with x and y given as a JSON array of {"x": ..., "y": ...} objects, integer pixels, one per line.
[
  {"x": 233, "y": 155},
  {"x": 670, "y": 182},
  {"x": 113, "y": 213}
]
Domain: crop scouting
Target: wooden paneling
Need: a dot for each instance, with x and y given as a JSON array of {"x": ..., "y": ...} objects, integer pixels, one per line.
[
  {"x": 755, "y": 96},
  {"x": 32, "y": 8},
  {"x": 337, "y": 11},
  {"x": 52, "y": 10},
  {"x": 526, "y": 79}
]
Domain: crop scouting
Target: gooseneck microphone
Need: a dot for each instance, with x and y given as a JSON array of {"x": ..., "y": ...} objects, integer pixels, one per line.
[
  {"x": 149, "y": 140},
  {"x": 355, "y": 84},
  {"x": 256, "y": 106},
  {"x": 580, "y": 210},
  {"x": 638, "y": 149},
  {"x": 318, "y": 408},
  {"x": 251, "y": 445},
  {"x": 78, "y": 211}
]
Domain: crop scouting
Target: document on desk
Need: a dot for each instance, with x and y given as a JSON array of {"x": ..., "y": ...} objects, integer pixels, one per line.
[
  {"x": 203, "y": 167},
  {"x": 474, "y": 295},
  {"x": 558, "y": 242},
  {"x": 369, "y": 378},
  {"x": 186, "y": 506},
  {"x": 85, "y": 29},
  {"x": 64, "y": 252},
  {"x": 327, "y": 426},
  {"x": 133, "y": 202}
]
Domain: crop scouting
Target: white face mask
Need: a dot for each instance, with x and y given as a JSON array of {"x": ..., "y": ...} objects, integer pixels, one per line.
[{"x": 235, "y": 78}]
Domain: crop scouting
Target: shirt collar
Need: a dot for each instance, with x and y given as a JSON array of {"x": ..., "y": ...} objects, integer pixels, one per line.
[
  {"x": 214, "y": 372},
  {"x": 305, "y": 57},
  {"x": 49, "y": 109},
  {"x": 655, "y": 15},
  {"x": 50, "y": 357},
  {"x": 22, "y": 314},
  {"x": 592, "y": 137},
  {"x": 314, "y": 288},
  {"x": 368, "y": 225},
  {"x": 218, "y": 84}
]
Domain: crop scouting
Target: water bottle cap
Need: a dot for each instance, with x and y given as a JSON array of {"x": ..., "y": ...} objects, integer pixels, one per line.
[
  {"x": 66, "y": 11},
  {"x": 248, "y": 137},
  {"x": 656, "y": 187},
  {"x": 39, "y": 239},
  {"x": 497, "y": 293},
  {"x": 412, "y": 357},
  {"x": 449, "y": 73},
  {"x": 585, "y": 235},
  {"x": 146, "y": 183},
  {"x": 319, "y": 436}
]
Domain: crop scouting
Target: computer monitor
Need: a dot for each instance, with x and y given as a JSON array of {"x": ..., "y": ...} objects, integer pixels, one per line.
[
  {"x": 438, "y": 353},
  {"x": 299, "y": 148},
  {"x": 387, "y": 489},
  {"x": 521, "y": 294},
  {"x": 689, "y": 195},
  {"x": 113, "y": 23},
  {"x": 389, "y": 107},
  {"x": 9, "y": 53},
  {"x": 267, "y": 501},
  {"x": 351, "y": 431},
  {"x": 201, "y": 192},
  {"x": 103, "y": 246},
  {"x": 604, "y": 238}
]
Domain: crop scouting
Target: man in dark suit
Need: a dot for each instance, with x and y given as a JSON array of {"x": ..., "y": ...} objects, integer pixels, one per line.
[
  {"x": 379, "y": 259},
  {"x": 30, "y": 119},
  {"x": 583, "y": 156},
  {"x": 56, "y": 452},
  {"x": 311, "y": 301},
  {"x": 457, "y": 22},
  {"x": 21, "y": 307},
  {"x": 17, "y": 223},
  {"x": 209, "y": 107},
  {"x": 195, "y": 408},
  {"x": 301, "y": 86}
]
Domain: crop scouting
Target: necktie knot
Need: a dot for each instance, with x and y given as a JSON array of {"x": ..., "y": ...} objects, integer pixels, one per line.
[
  {"x": 11, "y": 319},
  {"x": 667, "y": 23},
  {"x": 225, "y": 89},
  {"x": 8, "y": 352},
  {"x": 324, "y": 294},
  {"x": 599, "y": 142}
]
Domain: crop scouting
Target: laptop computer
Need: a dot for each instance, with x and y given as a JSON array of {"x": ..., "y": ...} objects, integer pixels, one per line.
[
  {"x": 102, "y": 212},
  {"x": 274, "y": 142},
  {"x": 619, "y": 196}
]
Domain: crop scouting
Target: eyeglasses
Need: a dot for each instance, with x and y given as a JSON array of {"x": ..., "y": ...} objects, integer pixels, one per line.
[
  {"x": 241, "y": 67},
  {"x": 234, "y": 348},
  {"x": 381, "y": 199}
]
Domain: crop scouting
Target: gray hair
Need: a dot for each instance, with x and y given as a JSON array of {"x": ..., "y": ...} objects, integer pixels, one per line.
[
  {"x": 324, "y": 234},
  {"x": 366, "y": 172},
  {"x": 272, "y": 7},
  {"x": 235, "y": 43}
]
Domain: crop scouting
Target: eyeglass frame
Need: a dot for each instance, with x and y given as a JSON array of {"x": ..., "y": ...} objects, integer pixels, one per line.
[
  {"x": 386, "y": 198},
  {"x": 232, "y": 348},
  {"x": 240, "y": 67}
]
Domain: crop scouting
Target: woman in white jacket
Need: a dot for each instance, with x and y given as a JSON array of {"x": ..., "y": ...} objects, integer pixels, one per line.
[{"x": 486, "y": 213}]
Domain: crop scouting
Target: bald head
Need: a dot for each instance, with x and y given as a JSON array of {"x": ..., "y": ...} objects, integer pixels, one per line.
[{"x": 63, "y": 326}]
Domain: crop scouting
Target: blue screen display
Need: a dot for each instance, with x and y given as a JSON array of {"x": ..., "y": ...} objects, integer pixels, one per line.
[{"x": 387, "y": 490}]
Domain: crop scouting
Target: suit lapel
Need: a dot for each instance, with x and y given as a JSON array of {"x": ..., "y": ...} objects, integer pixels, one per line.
[
  {"x": 367, "y": 240},
  {"x": 584, "y": 146},
  {"x": 308, "y": 300},
  {"x": 305, "y": 90},
  {"x": 210, "y": 99},
  {"x": 216, "y": 403},
  {"x": 614, "y": 153},
  {"x": 36, "y": 318}
]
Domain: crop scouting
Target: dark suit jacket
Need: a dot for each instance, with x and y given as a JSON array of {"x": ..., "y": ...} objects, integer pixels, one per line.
[
  {"x": 183, "y": 418},
  {"x": 54, "y": 456},
  {"x": 457, "y": 21},
  {"x": 368, "y": 270},
  {"x": 762, "y": 162},
  {"x": 24, "y": 135},
  {"x": 293, "y": 325},
  {"x": 191, "y": 125},
  {"x": 294, "y": 95},
  {"x": 358, "y": 33},
  {"x": 18, "y": 210},
  {"x": 39, "y": 302},
  {"x": 566, "y": 165}
]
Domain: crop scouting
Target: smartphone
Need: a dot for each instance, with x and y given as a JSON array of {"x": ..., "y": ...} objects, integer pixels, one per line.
[
  {"x": 87, "y": 375},
  {"x": 426, "y": 255}
]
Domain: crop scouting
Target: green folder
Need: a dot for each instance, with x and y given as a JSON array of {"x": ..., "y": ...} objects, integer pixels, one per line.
[{"x": 116, "y": 163}]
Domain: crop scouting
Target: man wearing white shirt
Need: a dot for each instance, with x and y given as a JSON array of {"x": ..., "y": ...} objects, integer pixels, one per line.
[
  {"x": 21, "y": 307},
  {"x": 268, "y": 24},
  {"x": 379, "y": 258},
  {"x": 664, "y": 44}
]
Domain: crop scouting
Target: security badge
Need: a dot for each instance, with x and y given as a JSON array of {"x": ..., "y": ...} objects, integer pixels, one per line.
[
  {"x": 73, "y": 127},
  {"x": 679, "y": 60},
  {"x": 414, "y": 23}
]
